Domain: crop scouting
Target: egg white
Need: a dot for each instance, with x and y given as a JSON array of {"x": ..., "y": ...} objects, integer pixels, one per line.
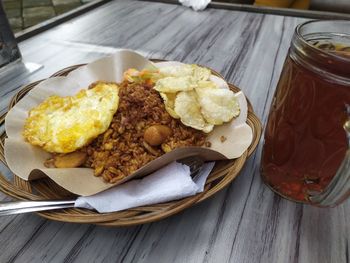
[{"x": 65, "y": 124}]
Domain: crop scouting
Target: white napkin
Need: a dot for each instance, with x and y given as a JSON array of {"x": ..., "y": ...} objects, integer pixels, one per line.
[
  {"x": 197, "y": 5},
  {"x": 171, "y": 182}
]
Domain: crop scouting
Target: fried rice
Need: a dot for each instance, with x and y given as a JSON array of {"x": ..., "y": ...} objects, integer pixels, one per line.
[{"x": 122, "y": 149}]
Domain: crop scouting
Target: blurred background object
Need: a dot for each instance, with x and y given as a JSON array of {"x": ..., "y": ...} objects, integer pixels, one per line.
[
  {"x": 9, "y": 51},
  {"x": 298, "y": 4},
  {"x": 25, "y": 13},
  {"x": 339, "y": 6}
]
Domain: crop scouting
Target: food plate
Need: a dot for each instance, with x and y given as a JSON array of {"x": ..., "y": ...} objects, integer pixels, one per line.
[{"x": 223, "y": 173}]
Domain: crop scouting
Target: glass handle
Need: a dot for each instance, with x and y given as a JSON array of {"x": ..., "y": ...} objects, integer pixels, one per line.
[{"x": 339, "y": 187}]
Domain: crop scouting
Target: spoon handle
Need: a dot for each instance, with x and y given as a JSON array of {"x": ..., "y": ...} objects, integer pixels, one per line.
[{"x": 19, "y": 207}]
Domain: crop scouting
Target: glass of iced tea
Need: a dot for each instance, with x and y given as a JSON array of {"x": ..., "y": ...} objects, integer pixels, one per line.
[{"x": 306, "y": 155}]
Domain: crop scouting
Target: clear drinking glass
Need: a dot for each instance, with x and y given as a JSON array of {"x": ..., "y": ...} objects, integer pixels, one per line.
[
  {"x": 306, "y": 155},
  {"x": 9, "y": 51}
]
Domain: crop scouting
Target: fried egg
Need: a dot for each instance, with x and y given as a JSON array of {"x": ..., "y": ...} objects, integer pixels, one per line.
[{"x": 65, "y": 124}]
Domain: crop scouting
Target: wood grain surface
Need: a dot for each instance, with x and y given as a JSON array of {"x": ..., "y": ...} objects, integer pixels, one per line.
[{"x": 246, "y": 222}]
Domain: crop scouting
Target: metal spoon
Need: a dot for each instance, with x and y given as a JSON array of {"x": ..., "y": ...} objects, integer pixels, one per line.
[{"x": 19, "y": 207}]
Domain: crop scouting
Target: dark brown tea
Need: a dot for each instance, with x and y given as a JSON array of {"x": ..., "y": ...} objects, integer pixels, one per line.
[{"x": 305, "y": 142}]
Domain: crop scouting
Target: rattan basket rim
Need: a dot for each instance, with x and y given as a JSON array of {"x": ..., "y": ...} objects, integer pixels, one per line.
[{"x": 223, "y": 174}]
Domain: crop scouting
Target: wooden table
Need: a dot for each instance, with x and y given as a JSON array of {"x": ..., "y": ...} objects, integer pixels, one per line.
[{"x": 245, "y": 222}]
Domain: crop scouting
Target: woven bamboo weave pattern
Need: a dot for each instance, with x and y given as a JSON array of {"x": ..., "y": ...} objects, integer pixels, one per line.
[{"x": 223, "y": 174}]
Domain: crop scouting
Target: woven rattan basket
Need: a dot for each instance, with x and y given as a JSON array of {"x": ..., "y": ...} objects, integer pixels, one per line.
[{"x": 223, "y": 173}]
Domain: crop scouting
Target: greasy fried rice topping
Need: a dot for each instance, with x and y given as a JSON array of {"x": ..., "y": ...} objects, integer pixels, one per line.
[{"x": 122, "y": 149}]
